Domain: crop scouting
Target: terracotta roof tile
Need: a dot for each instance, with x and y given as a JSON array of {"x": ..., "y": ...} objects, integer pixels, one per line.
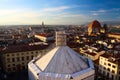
[
  {"x": 22, "y": 48},
  {"x": 45, "y": 34},
  {"x": 94, "y": 23}
]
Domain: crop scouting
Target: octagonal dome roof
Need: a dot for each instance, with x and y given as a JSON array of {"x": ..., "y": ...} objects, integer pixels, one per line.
[{"x": 62, "y": 60}]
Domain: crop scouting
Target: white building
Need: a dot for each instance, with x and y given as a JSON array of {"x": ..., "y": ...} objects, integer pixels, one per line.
[
  {"x": 61, "y": 63},
  {"x": 109, "y": 66}
]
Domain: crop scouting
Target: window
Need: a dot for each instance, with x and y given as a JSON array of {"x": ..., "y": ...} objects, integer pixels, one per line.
[
  {"x": 12, "y": 54},
  {"x": 9, "y": 65},
  {"x": 13, "y": 64},
  {"x": 113, "y": 66},
  {"x": 32, "y": 57},
  {"x": 104, "y": 68},
  {"x": 107, "y": 74},
  {"x": 109, "y": 64},
  {"x": 18, "y": 59},
  {"x": 13, "y": 59},
  {"x": 17, "y": 54},
  {"x": 113, "y": 71},
  {"x": 22, "y": 63},
  {"x": 22, "y": 58},
  {"x": 36, "y": 51},
  {"x": 108, "y": 69},
  {"x": 8, "y": 59},
  {"x": 8, "y": 55},
  {"x": 27, "y": 57},
  {"x": 112, "y": 77},
  {"x": 40, "y": 51},
  {"x": 104, "y": 63}
]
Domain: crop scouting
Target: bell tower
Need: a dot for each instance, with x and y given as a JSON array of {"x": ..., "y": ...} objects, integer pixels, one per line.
[{"x": 60, "y": 38}]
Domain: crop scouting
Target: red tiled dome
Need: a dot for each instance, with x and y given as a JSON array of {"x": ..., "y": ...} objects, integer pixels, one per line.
[
  {"x": 94, "y": 27},
  {"x": 94, "y": 24}
]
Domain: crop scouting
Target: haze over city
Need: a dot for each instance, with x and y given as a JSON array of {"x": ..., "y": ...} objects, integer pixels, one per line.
[
  {"x": 57, "y": 11},
  {"x": 59, "y": 40}
]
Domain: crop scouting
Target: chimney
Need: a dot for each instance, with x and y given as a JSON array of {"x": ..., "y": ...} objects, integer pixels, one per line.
[{"x": 60, "y": 38}]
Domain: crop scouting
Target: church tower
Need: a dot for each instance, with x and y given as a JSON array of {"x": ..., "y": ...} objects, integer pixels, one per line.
[{"x": 43, "y": 27}]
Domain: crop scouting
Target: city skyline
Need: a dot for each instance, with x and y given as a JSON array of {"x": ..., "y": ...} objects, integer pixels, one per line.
[{"x": 57, "y": 11}]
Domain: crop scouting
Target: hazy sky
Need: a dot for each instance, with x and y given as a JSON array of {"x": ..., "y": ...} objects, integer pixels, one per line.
[{"x": 58, "y": 11}]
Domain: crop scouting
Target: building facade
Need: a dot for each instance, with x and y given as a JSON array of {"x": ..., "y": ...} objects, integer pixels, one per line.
[
  {"x": 15, "y": 58},
  {"x": 91, "y": 52},
  {"x": 45, "y": 37},
  {"x": 109, "y": 66},
  {"x": 114, "y": 35}
]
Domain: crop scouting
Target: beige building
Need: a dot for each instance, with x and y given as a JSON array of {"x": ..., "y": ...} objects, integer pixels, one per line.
[
  {"x": 45, "y": 37},
  {"x": 114, "y": 35},
  {"x": 15, "y": 58},
  {"x": 109, "y": 66},
  {"x": 91, "y": 53}
]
